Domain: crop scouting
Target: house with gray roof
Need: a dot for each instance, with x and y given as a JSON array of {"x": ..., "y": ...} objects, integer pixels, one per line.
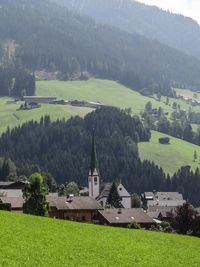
[
  {"x": 162, "y": 199},
  {"x": 124, "y": 217},
  {"x": 80, "y": 209}
]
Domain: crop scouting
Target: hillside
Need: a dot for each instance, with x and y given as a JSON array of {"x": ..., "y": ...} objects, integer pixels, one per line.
[
  {"x": 50, "y": 37},
  {"x": 47, "y": 242},
  {"x": 110, "y": 93},
  {"x": 11, "y": 117},
  {"x": 174, "y": 30},
  {"x": 170, "y": 157},
  {"x": 107, "y": 92}
]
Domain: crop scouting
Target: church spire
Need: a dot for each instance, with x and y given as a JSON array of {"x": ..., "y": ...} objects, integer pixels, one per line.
[
  {"x": 93, "y": 178},
  {"x": 93, "y": 162}
]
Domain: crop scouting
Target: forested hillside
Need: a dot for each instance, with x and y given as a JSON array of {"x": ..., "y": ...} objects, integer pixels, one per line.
[
  {"x": 51, "y": 37},
  {"x": 174, "y": 30},
  {"x": 63, "y": 149}
]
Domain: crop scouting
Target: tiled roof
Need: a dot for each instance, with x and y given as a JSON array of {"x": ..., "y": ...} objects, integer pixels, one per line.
[
  {"x": 161, "y": 208},
  {"x": 16, "y": 202},
  {"x": 75, "y": 203},
  {"x": 11, "y": 192},
  {"x": 124, "y": 216},
  {"x": 153, "y": 214},
  {"x": 164, "y": 196},
  {"x": 105, "y": 190}
]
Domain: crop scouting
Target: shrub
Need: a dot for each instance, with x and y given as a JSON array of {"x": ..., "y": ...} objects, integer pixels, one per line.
[
  {"x": 164, "y": 140},
  {"x": 134, "y": 225}
]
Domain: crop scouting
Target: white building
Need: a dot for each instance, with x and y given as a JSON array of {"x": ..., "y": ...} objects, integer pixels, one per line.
[{"x": 100, "y": 191}]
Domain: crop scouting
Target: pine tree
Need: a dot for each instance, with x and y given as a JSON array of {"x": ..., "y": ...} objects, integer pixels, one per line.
[{"x": 114, "y": 199}]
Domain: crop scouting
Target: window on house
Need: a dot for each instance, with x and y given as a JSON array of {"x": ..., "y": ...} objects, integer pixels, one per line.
[{"x": 95, "y": 180}]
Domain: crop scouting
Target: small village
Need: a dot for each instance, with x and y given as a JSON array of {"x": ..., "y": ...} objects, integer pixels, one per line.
[{"x": 94, "y": 204}]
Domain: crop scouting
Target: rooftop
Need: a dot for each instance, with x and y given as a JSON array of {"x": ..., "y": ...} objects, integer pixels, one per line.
[
  {"x": 74, "y": 203},
  {"x": 124, "y": 216}
]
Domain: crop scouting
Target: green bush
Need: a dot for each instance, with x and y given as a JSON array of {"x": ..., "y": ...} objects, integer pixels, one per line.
[{"x": 134, "y": 225}]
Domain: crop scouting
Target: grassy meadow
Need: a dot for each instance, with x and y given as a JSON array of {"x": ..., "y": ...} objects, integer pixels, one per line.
[
  {"x": 107, "y": 92},
  {"x": 40, "y": 242},
  {"x": 10, "y": 116},
  {"x": 187, "y": 93},
  {"x": 170, "y": 157}
]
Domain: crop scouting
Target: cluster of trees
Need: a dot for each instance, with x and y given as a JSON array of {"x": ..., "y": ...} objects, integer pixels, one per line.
[
  {"x": 186, "y": 220},
  {"x": 60, "y": 40},
  {"x": 7, "y": 169},
  {"x": 178, "y": 126},
  {"x": 34, "y": 194},
  {"x": 16, "y": 81}
]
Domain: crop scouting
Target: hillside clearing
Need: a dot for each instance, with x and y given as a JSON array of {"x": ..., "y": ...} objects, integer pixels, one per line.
[
  {"x": 170, "y": 157},
  {"x": 11, "y": 117},
  {"x": 34, "y": 241},
  {"x": 105, "y": 91}
]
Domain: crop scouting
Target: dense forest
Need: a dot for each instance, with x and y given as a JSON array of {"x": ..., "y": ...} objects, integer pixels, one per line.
[
  {"x": 51, "y": 37},
  {"x": 63, "y": 149},
  {"x": 174, "y": 30},
  {"x": 16, "y": 82}
]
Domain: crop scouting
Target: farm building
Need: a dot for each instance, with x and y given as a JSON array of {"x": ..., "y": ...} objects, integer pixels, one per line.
[{"x": 39, "y": 99}]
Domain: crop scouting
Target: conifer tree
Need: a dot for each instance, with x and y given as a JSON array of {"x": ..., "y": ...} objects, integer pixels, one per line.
[{"x": 114, "y": 199}]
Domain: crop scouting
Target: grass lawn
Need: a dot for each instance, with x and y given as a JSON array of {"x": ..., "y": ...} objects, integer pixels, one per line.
[
  {"x": 107, "y": 92},
  {"x": 170, "y": 157},
  {"x": 10, "y": 116},
  {"x": 37, "y": 242}
]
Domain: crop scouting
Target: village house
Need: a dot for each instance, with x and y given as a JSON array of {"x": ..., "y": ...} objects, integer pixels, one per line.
[
  {"x": 79, "y": 209},
  {"x": 162, "y": 213},
  {"x": 162, "y": 199},
  {"x": 100, "y": 191},
  {"x": 124, "y": 217}
]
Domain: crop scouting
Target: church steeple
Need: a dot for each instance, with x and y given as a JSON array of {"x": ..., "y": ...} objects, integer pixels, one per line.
[
  {"x": 93, "y": 178},
  {"x": 93, "y": 161}
]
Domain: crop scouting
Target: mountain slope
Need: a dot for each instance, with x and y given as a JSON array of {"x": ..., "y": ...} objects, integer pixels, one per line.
[
  {"x": 36, "y": 241},
  {"x": 50, "y": 37},
  {"x": 174, "y": 30},
  {"x": 170, "y": 157}
]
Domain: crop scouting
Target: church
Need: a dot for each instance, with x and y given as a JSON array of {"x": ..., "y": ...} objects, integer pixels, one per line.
[{"x": 99, "y": 190}]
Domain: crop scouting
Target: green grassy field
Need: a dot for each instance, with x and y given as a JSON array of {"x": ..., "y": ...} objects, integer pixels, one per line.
[
  {"x": 10, "y": 116},
  {"x": 37, "y": 242},
  {"x": 170, "y": 157},
  {"x": 107, "y": 92},
  {"x": 187, "y": 93}
]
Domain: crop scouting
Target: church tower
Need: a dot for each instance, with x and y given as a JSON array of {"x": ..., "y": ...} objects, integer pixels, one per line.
[{"x": 93, "y": 178}]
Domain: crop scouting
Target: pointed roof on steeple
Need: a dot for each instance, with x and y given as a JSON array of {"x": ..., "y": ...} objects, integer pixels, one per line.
[{"x": 93, "y": 162}]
